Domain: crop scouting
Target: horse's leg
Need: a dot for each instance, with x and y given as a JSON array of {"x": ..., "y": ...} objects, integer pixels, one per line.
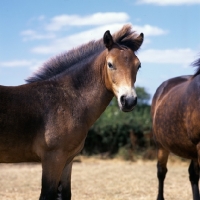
[
  {"x": 161, "y": 171},
  {"x": 52, "y": 166},
  {"x": 194, "y": 179},
  {"x": 64, "y": 191}
]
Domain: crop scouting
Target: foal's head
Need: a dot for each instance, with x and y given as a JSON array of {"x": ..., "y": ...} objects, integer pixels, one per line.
[{"x": 121, "y": 68}]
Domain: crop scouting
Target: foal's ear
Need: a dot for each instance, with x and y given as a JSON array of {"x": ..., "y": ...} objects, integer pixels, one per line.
[
  {"x": 108, "y": 40},
  {"x": 138, "y": 41}
]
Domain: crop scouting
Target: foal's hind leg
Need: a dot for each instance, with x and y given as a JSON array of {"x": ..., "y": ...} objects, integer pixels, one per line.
[
  {"x": 194, "y": 178},
  {"x": 161, "y": 170}
]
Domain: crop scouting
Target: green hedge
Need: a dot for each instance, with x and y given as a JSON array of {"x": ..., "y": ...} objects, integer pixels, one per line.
[{"x": 116, "y": 129}]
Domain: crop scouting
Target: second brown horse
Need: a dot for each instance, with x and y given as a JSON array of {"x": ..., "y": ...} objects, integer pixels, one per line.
[{"x": 176, "y": 125}]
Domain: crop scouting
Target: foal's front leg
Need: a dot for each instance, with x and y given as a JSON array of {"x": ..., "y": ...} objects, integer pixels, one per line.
[
  {"x": 194, "y": 178},
  {"x": 53, "y": 164},
  {"x": 64, "y": 191},
  {"x": 161, "y": 171}
]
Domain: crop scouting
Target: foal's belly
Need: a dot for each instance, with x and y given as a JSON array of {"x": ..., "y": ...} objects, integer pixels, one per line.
[
  {"x": 17, "y": 152},
  {"x": 17, "y": 156}
]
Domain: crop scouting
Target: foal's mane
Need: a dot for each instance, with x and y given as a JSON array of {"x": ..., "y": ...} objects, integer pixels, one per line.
[
  {"x": 124, "y": 37},
  {"x": 196, "y": 64}
]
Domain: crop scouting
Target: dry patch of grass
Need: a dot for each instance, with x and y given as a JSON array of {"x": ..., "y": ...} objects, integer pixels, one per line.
[{"x": 100, "y": 180}]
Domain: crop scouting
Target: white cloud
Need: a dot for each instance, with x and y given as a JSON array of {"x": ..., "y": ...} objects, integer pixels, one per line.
[
  {"x": 97, "y": 24},
  {"x": 36, "y": 65},
  {"x": 15, "y": 63},
  {"x": 168, "y": 56},
  {"x": 169, "y": 2},
  {"x": 149, "y": 30},
  {"x": 71, "y": 41},
  {"x": 33, "y": 35},
  {"x": 32, "y": 64},
  {"x": 41, "y": 18},
  {"x": 58, "y": 22}
]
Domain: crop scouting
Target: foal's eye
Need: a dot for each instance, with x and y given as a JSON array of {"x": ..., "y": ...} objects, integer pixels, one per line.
[{"x": 110, "y": 65}]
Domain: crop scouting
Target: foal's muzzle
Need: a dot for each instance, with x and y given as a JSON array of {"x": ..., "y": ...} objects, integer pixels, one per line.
[{"x": 128, "y": 103}]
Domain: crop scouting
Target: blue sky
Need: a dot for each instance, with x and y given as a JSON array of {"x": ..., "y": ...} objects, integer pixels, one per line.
[{"x": 31, "y": 32}]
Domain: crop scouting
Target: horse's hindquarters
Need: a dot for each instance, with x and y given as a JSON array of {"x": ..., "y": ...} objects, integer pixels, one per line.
[{"x": 170, "y": 116}]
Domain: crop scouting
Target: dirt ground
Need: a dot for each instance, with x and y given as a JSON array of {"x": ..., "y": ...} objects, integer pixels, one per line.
[{"x": 95, "y": 179}]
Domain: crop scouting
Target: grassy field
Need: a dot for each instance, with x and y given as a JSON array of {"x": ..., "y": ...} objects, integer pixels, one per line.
[{"x": 95, "y": 179}]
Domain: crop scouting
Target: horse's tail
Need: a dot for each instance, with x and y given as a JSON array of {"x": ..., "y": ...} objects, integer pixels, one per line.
[{"x": 196, "y": 63}]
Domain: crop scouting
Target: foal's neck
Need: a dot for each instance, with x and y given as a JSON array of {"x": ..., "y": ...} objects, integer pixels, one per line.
[{"x": 92, "y": 96}]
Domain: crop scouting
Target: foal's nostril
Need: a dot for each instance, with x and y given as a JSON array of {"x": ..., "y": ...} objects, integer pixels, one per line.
[
  {"x": 123, "y": 100},
  {"x": 135, "y": 101},
  {"x": 128, "y": 102}
]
